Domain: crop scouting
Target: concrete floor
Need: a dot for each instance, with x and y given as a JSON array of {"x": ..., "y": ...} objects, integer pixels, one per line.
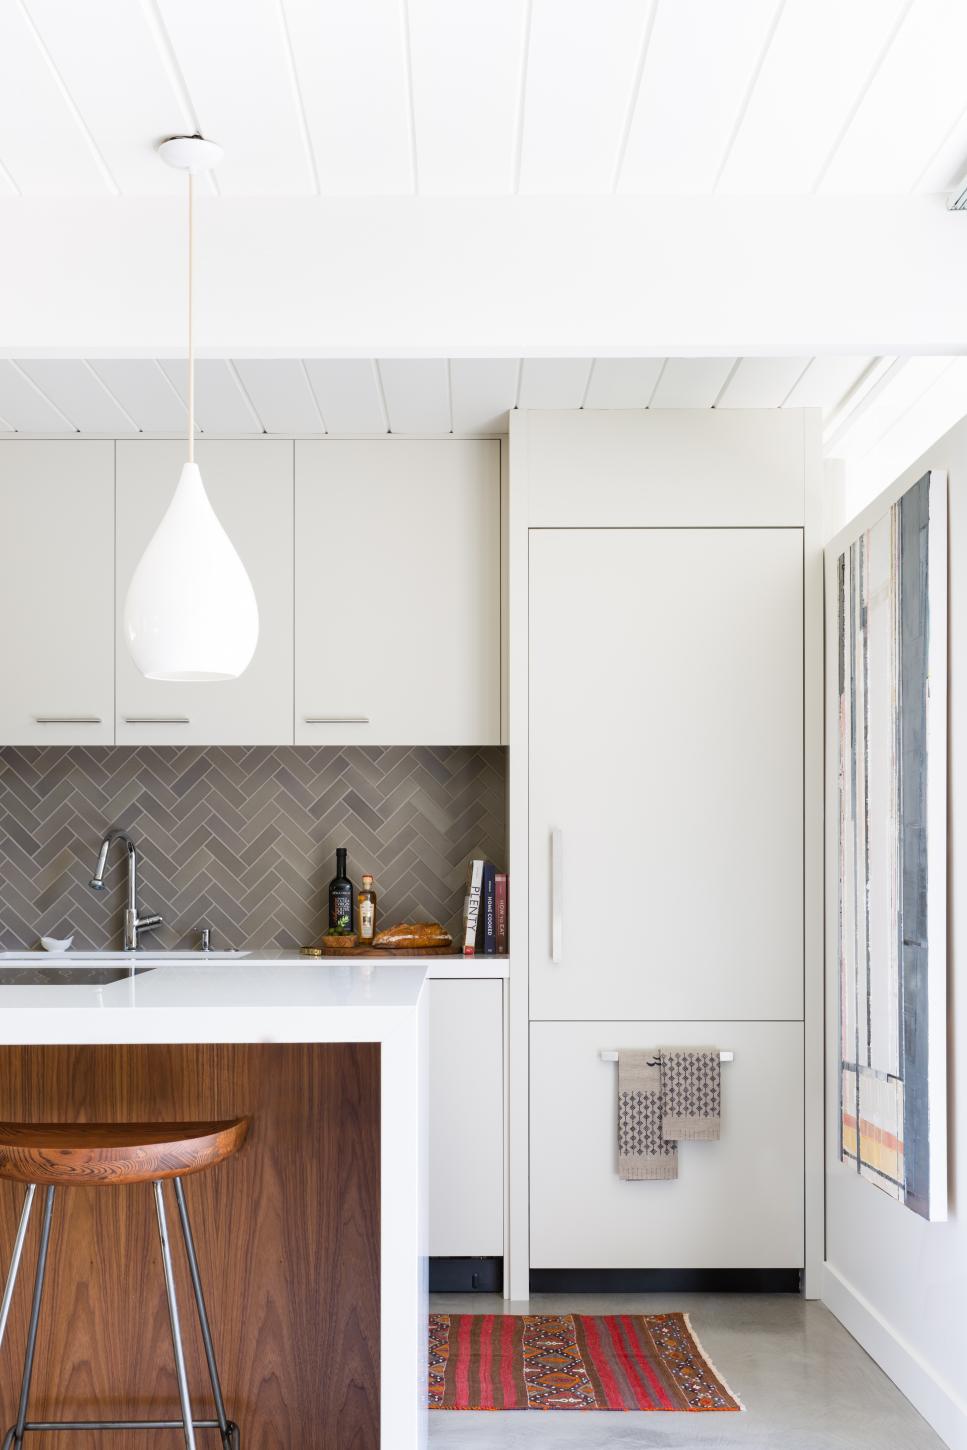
[{"x": 806, "y": 1384}]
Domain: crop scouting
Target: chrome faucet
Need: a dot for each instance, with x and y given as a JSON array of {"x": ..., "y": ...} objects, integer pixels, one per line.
[{"x": 133, "y": 923}]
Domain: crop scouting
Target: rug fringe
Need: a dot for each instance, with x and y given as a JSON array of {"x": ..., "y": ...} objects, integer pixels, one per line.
[{"x": 711, "y": 1364}]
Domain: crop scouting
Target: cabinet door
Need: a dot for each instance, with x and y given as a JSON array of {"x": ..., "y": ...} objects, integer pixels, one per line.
[
  {"x": 57, "y": 592},
  {"x": 397, "y": 558},
  {"x": 665, "y": 751},
  {"x": 466, "y": 1119},
  {"x": 250, "y": 486},
  {"x": 736, "y": 1204}
]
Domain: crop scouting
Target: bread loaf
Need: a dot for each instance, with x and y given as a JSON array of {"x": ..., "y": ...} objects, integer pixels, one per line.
[{"x": 414, "y": 936}]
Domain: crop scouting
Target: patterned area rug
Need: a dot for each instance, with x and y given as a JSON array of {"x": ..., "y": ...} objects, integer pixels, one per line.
[{"x": 571, "y": 1362}]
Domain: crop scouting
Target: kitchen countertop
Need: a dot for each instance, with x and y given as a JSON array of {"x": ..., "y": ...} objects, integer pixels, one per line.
[{"x": 265, "y": 996}]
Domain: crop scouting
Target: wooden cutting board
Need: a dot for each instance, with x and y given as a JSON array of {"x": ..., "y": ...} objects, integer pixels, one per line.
[{"x": 385, "y": 952}]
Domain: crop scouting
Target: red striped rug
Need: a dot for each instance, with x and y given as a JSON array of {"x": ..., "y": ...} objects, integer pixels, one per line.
[{"x": 571, "y": 1362}]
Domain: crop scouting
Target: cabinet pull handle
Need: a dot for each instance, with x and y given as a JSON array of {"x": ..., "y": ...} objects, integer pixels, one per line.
[
  {"x": 557, "y": 882},
  {"x": 68, "y": 719},
  {"x": 156, "y": 720},
  {"x": 336, "y": 719}
]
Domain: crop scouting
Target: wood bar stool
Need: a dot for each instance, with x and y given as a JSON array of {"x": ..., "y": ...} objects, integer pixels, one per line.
[{"x": 73, "y": 1155}]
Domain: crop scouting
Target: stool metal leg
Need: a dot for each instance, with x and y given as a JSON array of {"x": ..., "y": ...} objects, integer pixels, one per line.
[
  {"x": 173, "y": 1316},
  {"x": 14, "y": 1438},
  {"x": 229, "y": 1431},
  {"x": 18, "y": 1433},
  {"x": 15, "y": 1257}
]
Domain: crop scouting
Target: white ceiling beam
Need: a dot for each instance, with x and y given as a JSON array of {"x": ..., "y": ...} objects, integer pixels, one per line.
[{"x": 500, "y": 277}]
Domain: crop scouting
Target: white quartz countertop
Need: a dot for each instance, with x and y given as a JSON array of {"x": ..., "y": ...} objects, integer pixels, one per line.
[{"x": 265, "y": 996}]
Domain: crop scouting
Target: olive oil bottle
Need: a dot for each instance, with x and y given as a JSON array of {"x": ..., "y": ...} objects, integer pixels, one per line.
[
  {"x": 366, "y": 903},
  {"x": 341, "y": 898}
]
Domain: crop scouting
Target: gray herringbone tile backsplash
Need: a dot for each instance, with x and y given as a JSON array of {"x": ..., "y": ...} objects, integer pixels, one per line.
[{"x": 241, "y": 839}]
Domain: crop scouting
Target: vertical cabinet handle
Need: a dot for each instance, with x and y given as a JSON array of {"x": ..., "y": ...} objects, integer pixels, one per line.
[{"x": 557, "y": 882}]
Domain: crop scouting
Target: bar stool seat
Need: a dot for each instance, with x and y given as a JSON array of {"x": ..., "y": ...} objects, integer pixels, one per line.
[
  {"x": 107, "y": 1155},
  {"x": 92, "y": 1154}
]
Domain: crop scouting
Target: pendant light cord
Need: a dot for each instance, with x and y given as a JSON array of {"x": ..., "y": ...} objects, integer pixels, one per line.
[{"x": 191, "y": 342}]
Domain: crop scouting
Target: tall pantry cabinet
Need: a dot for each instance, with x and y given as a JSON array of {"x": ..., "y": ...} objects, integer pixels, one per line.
[{"x": 662, "y": 695}]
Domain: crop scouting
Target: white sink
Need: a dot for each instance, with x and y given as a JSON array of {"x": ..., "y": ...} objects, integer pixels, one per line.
[{"x": 138, "y": 958}]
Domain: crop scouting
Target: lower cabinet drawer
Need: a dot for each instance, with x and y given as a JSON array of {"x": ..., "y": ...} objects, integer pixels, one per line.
[{"x": 737, "y": 1202}]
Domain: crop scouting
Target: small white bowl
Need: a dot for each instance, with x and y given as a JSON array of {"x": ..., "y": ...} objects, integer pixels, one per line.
[{"x": 51, "y": 944}]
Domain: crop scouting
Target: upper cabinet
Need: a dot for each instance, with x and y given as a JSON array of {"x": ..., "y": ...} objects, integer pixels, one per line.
[
  {"x": 397, "y": 592},
  {"x": 57, "y": 592},
  {"x": 250, "y": 486}
]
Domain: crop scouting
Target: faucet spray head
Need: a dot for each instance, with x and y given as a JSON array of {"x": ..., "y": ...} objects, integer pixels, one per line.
[{"x": 96, "y": 882}]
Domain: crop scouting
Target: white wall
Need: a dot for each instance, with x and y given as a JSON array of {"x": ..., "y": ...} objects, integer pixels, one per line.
[{"x": 898, "y": 1283}]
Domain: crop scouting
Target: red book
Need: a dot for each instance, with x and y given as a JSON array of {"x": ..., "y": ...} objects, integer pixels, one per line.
[{"x": 500, "y": 897}]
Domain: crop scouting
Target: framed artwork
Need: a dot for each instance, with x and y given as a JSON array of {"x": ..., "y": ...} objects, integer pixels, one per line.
[{"x": 886, "y": 663}]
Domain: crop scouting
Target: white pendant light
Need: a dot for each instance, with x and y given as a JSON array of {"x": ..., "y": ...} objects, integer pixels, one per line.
[{"x": 190, "y": 613}]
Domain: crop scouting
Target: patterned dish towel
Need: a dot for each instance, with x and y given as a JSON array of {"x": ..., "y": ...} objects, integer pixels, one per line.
[
  {"x": 643, "y": 1151},
  {"x": 691, "y": 1089}
]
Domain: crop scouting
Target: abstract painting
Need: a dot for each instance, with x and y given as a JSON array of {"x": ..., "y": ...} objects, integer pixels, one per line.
[{"x": 891, "y": 610}]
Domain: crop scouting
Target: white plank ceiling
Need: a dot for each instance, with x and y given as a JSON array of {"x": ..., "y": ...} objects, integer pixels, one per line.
[
  {"x": 485, "y": 97},
  {"x": 862, "y": 398}
]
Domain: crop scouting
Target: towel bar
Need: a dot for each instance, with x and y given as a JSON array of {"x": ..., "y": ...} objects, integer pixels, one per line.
[{"x": 610, "y": 1054}]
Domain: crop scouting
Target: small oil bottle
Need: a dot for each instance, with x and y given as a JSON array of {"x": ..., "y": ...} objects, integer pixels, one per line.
[{"x": 367, "y": 912}]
